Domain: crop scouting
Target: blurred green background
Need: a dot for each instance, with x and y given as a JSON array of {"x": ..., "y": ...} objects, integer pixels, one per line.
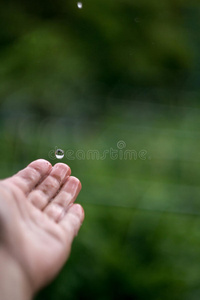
[{"x": 113, "y": 75}]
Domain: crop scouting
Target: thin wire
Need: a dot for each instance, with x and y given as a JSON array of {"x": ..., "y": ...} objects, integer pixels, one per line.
[
  {"x": 160, "y": 106},
  {"x": 144, "y": 209}
]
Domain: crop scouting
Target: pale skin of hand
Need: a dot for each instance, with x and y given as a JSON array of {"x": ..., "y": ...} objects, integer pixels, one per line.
[{"x": 38, "y": 222}]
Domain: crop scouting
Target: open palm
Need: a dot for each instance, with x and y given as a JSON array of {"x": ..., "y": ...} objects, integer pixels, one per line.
[{"x": 38, "y": 220}]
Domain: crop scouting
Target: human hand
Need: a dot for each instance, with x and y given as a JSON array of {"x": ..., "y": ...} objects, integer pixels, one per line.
[{"x": 38, "y": 221}]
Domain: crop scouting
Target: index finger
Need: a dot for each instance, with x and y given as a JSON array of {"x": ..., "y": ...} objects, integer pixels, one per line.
[{"x": 29, "y": 177}]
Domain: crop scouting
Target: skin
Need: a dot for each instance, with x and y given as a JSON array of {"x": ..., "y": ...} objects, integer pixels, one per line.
[{"x": 38, "y": 222}]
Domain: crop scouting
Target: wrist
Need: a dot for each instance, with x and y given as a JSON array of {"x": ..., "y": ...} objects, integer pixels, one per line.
[{"x": 14, "y": 284}]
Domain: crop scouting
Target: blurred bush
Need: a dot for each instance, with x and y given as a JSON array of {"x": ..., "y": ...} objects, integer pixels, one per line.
[
  {"x": 86, "y": 57},
  {"x": 85, "y": 79}
]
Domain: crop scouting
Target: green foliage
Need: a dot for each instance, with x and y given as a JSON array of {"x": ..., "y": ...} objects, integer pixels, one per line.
[{"x": 56, "y": 51}]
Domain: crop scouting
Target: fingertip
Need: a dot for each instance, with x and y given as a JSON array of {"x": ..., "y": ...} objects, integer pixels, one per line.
[
  {"x": 78, "y": 210},
  {"x": 80, "y": 185},
  {"x": 40, "y": 163},
  {"x": 74, "y": 180},
  {"x": 63, "y": 166}
]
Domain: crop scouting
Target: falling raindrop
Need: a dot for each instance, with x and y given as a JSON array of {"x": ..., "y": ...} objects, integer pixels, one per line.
[
  {"x": 80, "y": 5},
  {"x": 59, "y": 153}
]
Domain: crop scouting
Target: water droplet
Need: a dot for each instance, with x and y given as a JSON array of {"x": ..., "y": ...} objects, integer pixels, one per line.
[
  {"x": 59, "y": 153},
  {"x": 80, "y": 5}
]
